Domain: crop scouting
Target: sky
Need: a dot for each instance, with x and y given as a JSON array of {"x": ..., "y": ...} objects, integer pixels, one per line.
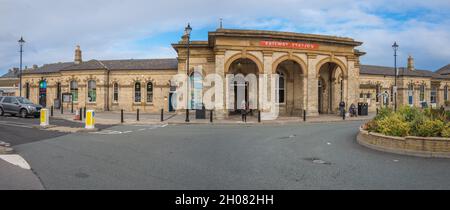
[{"x": 117, "y": 29}]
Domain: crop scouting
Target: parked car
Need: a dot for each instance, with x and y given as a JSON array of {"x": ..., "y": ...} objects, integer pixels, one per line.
[{"x": 18, "y": 105}]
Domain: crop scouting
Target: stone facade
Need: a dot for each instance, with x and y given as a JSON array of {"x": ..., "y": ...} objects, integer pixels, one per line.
[{"x": 318, "y": 73}]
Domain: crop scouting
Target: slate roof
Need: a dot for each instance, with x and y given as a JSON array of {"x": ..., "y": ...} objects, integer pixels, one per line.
[
  {"x": 131, "y": 64},
  {"x": 11, "y": 74},
  {"x": 389, "y": 71},
  {"x": 444, "y": 70}
]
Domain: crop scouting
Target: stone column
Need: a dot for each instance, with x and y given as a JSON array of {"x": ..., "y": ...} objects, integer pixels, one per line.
[
  {"x": 267, "y": 69},
  {"x": 312, "y": 105},
  {"x": 221, "y": 113}
]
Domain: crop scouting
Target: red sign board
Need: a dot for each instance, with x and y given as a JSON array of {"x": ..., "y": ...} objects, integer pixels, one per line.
[{"x": 293, "y": 45}]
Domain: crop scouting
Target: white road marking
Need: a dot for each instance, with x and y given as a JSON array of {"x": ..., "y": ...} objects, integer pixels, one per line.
[
  {"x": 113, "y": 132},
  {"x": 16, "y": 160},
  {"x": 15, "y": 124}
]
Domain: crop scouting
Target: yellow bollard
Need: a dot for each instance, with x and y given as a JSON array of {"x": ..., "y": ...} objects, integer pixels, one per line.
[
  {"x": 90, "y": 119},
  {"x": 44, "y": 117}
]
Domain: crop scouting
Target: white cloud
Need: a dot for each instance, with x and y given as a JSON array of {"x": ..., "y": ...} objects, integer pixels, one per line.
[{"x": 107, "y": 29}]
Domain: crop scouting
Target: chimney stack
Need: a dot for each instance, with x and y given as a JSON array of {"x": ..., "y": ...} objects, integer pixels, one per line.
[
  {"x": 411, "y": 63},
  {"x": 78, "y": 59}
]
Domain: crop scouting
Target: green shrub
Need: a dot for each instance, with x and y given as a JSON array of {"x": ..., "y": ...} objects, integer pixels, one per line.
[
  {"x": 393, "y": 125},
  {"x": 430, "y": 128},
  {"x": 383, "y": 112},
  {"x": 446, "y": 131}
]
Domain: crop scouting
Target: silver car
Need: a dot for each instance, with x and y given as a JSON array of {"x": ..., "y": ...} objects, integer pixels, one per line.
[{"x": 18, "y": 105}]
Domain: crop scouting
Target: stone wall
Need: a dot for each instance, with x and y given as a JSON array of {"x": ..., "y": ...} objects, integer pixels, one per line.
[{"x": 415, "y": 146}]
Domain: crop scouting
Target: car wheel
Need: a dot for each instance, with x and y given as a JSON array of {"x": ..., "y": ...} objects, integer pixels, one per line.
[
  {"x": 23, "y": 113},
  {"x": 1, "y": 112}
]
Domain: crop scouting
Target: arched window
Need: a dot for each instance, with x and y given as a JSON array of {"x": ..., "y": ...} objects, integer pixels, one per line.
[
  {"x": 422, "y": 93},
  {"x": 115, "y": 92},
  {"x": 137, "y": 92},
  {"x": 411, "y": 94},
  {"x": 149, "y": 92},
  {"x": 92, "y": 91},
  {"x": 196, "y": 90},
  {"x": 27, "y": 90},
  {"x": 281, "y": 87},
  {"x": 446, "y": 93},
  {"x": 74, "y": 90},
  {"x": 433, "y": 95}
]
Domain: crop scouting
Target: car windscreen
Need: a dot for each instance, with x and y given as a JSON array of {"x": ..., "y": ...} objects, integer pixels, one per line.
[{"x": 24, "y": 101}]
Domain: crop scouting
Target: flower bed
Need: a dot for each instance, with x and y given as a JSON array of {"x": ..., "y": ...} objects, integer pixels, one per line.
[
  {"x": 410, "y": 121},
  {"x": 409, "y": 131}
]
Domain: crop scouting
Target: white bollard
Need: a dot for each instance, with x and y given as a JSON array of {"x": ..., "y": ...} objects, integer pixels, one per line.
[
  {"x": 90, "y": 119},
  {"x": 44, "y": 118}
]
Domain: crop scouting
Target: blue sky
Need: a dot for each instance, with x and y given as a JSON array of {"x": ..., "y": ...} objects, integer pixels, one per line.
[{"x": 113, "y": 29}]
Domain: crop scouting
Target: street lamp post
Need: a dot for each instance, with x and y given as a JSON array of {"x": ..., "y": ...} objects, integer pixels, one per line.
[
  {"x": 187, "y": 32},
  {"x": 21, "y": 42},
  {"x": 395, "y": 47}
]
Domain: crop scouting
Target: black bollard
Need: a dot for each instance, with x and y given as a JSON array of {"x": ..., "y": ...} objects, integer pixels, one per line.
[
  {"x": 71, "y": 110},
  {"x": 84, "y": 112},
  {"x": 304, "y": 115},
  {"x": 51, "y": 111},
  {"x": 121, "y": 116},
  {"x": 343, "y": 115},
  {"x": 81, "y": 114},
  {"x": 211, "y": 116},
  {"x": 162, "y": 115},
  {"x": 62, "y": 108},
  {"x": 137, "y": 115},
  {"x": 259, "y": 116}
]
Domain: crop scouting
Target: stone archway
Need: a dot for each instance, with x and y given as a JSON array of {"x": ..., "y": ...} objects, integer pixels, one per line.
[
  {"x": 292, "y": 90},
  {"x": 242, "y": 79},
  {"x": 331, "y": 92}
]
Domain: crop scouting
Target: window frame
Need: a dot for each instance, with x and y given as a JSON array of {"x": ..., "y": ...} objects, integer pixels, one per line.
[
  {"x": 74, "y": 90},
  {"x": 115, "y": 92},
  {"x": 137, "y": 92},
  {"x": 91, "y": 90},
  {"x": 281, "y": 91},
  {"x": 149, "y": 94}
]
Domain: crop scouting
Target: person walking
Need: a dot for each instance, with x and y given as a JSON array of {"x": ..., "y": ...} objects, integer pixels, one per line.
[{"x": 342, "y": 107}]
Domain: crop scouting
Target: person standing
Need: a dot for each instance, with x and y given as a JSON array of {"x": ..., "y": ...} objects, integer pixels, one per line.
[
  {"x": 342, "y": 107},
  {"x": 244, "y": 111}
]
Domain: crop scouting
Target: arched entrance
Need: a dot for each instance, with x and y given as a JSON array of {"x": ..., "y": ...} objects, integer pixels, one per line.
[
  {"x": 290, "y": 92},
  {"x": 331, "y": 88},
  {"x": 243, "y": 86}
]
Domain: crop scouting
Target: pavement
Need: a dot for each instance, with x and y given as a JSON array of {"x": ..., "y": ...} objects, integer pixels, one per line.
[
  {"x": 114, "y": 118},
  {"x": 227, "y": 157}
]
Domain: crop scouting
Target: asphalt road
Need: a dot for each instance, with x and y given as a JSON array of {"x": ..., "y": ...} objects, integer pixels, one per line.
[
  {"x": 307, "y": 156},
  {"x": 16, "y": 131}
]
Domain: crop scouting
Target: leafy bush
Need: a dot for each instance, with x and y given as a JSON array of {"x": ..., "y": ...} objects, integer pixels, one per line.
[
  {"x": 393, "y": 125},
  {"x": 446, "y": 131},
  {"x": 430, "y": 128},
  {"x": 411, "y": 121}
]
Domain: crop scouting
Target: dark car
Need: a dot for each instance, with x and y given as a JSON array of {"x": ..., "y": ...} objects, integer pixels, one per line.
[{"x": 18, "y": 105}]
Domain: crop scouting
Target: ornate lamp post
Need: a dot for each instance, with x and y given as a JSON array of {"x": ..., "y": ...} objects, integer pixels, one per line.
[
  {"x": 395, "y": 47},
  {"x": 187, "y": 33},
  {"x": 21, "y": 42}
]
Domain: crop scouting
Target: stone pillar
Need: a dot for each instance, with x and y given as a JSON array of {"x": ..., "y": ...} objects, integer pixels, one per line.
[
  {"x": 312, "y": 105},
  {"x": 221, "y": 113},
  {"x": 268, "y": 70}
]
